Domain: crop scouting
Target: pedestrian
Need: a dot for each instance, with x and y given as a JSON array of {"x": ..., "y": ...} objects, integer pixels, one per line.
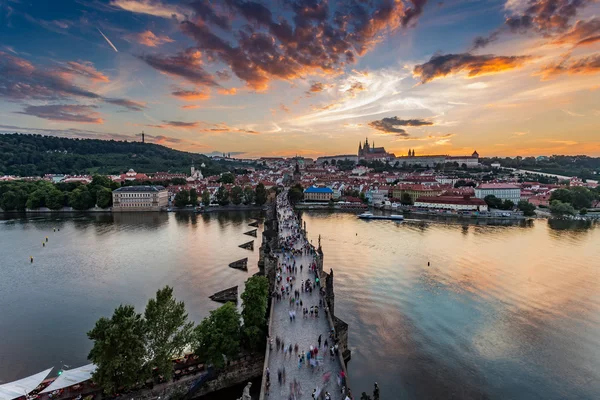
[{"x": 319, "y": 340}]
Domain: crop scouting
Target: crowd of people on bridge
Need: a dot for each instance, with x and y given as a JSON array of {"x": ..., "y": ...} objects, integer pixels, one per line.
[{"x": 294, "y": 248}]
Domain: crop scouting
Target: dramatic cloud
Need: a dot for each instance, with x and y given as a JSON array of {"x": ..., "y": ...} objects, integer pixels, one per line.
[
  {"x": 309, "y": 38},
  {"x": 480, "y": 42},
  {"x": 70, "y": 113},
  {"x": 441, "y": 65},
  {"x": 186, "y": 65},
  {"x": 582, "y": 66},
  {"x": 545, "y": 16},
  {"x": 391, "y": 124},
  {"x": 354, "y": 88},
  {"x": 129, "y": 104},
  {"x": 582, "y": 33},
  {"x": 149, "y": 7},
  {"x": 147, "y": 38},
  {"x": 20, "y": 80},
  {"x": 191, "y": 95}
]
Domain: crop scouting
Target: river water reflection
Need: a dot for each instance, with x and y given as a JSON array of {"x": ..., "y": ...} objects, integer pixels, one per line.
[{"x": 501, "y": 312}]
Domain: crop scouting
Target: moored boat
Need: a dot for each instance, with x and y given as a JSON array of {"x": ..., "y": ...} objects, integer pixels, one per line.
[{"x": 393, "y": 217}]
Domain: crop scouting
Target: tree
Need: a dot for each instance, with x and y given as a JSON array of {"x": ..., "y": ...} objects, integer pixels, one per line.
[
  {"x": 9, "y": 201},
  {"x": 36, "y": 199},
  {"x": 363, "y": 197},
  {"x": 182, "y": 198},
  {"x": 222, "y": 196},
  {"x": 178, "y": 181},
  {"x": 261, "y": 194},
  {"x": 492, "y": 201},
  {"x": 81, "y": 199},
  {"x": 206, "y": 198},
  {"x": 507, "y": 205},
  {"x": 227, "y": 177},
  {"x": 406, "y": 199},
  {"x": 583, "y": 211},
  {"x": 104, "y": 197},
  {"x": 193, "y": 197},
  {"x": 248, "y": 195},
  {"x": 559, "y": 208},
  {"x": 527, "y": 208},
  {"x": 296, "y": 193},
  {"x": 55, "y": 199},
  {"x": 219, "y": 335},
  {"x": 167, "y": 331},
  {"x": 254, "y": 311},
  {"x": 119, "y": 350},
  {"x": 237, "y": 195},
  {"x": 562, "y": 195},
  {"x": 581, "y": 197}
]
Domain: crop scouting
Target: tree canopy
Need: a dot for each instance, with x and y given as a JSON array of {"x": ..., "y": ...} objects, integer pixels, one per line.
[
  {"x": 254, "y": 311},
  {"x": 119, "y": 350},
  {"x": 219, "y": 335},
  {"x": 168, "y": 331},
  {"x": 261, "y": 194}
]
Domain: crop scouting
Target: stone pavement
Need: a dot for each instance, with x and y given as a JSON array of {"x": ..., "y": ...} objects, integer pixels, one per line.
[{"x": 304, "y": 332}]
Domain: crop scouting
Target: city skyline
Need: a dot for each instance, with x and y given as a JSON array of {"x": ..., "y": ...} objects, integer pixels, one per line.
[{"x": 310, "y": 78}]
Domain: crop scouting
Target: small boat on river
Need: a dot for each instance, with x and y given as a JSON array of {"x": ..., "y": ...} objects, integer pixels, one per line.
[{"x": 393, "y": 217}]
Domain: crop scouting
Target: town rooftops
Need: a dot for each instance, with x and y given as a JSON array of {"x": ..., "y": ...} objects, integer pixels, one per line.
[
  {"x": 497, "y": 186},
  {"x": 140, "y": 189},
  {"x": 313, "y": 189}
]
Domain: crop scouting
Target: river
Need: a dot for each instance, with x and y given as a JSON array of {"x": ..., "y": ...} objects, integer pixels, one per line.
[{"x": 501, "y": 312}]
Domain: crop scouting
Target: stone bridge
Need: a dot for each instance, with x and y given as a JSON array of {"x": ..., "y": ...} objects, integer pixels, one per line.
[{"x": 281, "y": 223}]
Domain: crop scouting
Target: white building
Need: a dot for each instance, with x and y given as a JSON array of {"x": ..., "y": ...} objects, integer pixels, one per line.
[
  {"x": 140, "y": 198},
  {"x": 504, "y": 191},
  {"x": 455, "y": 203}
]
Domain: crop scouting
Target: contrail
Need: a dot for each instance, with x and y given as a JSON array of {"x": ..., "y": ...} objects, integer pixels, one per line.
[{"x": 109, "y": 42}]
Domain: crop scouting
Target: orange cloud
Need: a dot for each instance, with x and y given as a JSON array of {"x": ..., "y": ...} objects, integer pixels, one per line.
[
  {"x": 176, "y": 124},
  {"x": 475, "y": 65},
  {"x": 224, "y": 91},
  {"x": 147, "y": 38},
  {"x": 85, "y": 69},
  {"x": 66, "y": 113},
  {"x": 190, "y": 106},
  {"x": 191, "y": 95},
  {"x": 582, "y": 66}
]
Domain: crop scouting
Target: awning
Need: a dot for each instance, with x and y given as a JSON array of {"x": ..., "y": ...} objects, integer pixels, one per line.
[
  {"x": 71, "y": 377},
  {"x": 19, "y": 388}
]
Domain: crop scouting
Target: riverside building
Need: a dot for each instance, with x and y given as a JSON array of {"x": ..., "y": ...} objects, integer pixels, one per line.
[{"x": 140, "y": 198}]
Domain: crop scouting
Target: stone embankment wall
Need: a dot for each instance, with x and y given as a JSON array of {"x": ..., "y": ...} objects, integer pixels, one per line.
[{"x": 240, "y": 371}]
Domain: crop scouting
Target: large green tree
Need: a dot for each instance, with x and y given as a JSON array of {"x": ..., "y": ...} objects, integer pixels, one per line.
[
  {"x": 261, "y": 194},
  {"x": 182, "y": 198},
  {"x": 254, "y": 311},
  {"x": 206, "y": 198},
  {"x": 492, "y": 201},
  {"x": 527, "y": 208},
  {"x": 559, "y": 208},
  {"x": 222, "y": 196},
  {"x": 119, "y": 350},
  {"x": 248, "y": 195},
  {"x": 562, "y": 195},
  {"x": 37, "y": 198},
  {"x": 104, "y": 197},
  {"x": 406, "y": 199},
  {"x": 582, "y": 197},
  {"x": 55, "y": 199},
  {"x": 219, "y": 335},
  {"x": 296, "y": 193},
  {"x": 237, "y": 195},
  {"x": 168, "y": 331},
  {"x": 193, "y": 197},
  {"x": 81, "y": 199},
  {"x": 227, "y": 177}
]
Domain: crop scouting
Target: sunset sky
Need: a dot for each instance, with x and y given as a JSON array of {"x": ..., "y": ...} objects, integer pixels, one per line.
[{"x": 307, "y": 77}]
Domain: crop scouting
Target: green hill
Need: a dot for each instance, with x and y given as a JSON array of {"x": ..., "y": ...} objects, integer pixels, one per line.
[{"x": 28, "y": 155}]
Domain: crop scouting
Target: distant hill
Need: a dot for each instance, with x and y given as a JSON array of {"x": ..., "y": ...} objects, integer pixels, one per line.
[{"x": 27, "y": 155}]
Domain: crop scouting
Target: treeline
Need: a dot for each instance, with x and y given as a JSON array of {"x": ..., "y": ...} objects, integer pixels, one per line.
[
  {"x": 130, "y": 347},
  {"x": 237, "y": 195},
  {"x": 21, "y": 195},
  {"x": 569, "y": 201},
  {"x": 580, "y": 166},
  {"x": 36, "y": 155}
]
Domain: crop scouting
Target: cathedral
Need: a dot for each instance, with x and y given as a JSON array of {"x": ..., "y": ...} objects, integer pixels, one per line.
[{"x": 370, "y": 153}]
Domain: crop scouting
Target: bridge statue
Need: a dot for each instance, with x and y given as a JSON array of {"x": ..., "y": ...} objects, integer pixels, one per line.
[{"x": 246, "y": 393}]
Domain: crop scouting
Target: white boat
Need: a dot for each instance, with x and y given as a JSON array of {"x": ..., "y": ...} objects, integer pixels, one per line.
[{"x": 393, "y": 217}]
